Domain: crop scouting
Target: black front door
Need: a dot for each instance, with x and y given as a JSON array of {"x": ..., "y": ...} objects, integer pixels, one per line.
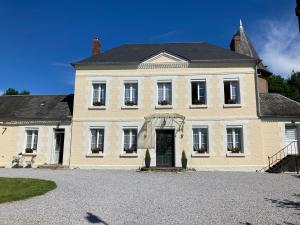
[{"x": 165, "y": 148}]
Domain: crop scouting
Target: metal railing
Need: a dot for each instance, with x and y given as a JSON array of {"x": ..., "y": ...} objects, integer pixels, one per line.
[{"x": 290, "y": 149}]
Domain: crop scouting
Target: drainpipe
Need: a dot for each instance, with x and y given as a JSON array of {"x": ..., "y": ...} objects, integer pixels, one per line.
[{"x": 257, "y": 92}]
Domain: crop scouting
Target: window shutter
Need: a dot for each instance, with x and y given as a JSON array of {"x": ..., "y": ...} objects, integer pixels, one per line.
[{"x": 290, "y": 133}]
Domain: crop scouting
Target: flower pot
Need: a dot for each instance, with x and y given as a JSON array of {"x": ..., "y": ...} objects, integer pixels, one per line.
[{"x": 184, "y": 163}]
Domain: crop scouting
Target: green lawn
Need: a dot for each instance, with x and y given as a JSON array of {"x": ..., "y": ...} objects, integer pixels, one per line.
[{"x": 12, "y": 189}]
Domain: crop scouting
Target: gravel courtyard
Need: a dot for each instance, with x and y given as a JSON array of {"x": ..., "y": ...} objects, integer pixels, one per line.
[{"x": 129, "y": 197}]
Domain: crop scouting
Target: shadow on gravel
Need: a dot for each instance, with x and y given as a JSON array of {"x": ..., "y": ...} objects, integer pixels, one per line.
[
  {"x": 288, "y": 204},
  {"x": 91, "y": 218}
]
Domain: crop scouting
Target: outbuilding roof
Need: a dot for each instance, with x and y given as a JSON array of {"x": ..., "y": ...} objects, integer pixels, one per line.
[
  {"x": 278, "y": 106},
  {"x": 137, "y": 53},
  {"x": 36, "y": 108}
]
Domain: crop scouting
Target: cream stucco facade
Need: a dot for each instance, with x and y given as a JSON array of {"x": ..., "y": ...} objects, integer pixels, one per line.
[{"x": 258, "y": 138}]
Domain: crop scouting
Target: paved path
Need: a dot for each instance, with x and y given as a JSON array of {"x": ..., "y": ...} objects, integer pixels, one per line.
[{"x": 129, "y": 197}]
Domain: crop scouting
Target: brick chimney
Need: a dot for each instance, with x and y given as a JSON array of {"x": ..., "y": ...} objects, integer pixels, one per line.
[{"x": 96, "y": 46}]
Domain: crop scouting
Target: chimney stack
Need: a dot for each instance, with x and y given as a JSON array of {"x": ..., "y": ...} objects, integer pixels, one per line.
[{"x": 96, "y": 46}]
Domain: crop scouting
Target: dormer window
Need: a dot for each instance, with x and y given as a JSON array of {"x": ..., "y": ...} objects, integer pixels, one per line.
[
  {"x": 232, "y": 92},
  {"x": 164, "y": 93},
  {"x": 99, "y": 94}
]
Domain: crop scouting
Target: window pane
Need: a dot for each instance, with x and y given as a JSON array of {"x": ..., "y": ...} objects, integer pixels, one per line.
[
  {"x": 229, "y": 138},
  {"x": 160, "y": 92},
  {"x": 101, "y": 139},
  {"x": 135, "y": 93},
  {"x": 35, "y": 140},
  {"x": 227, "y": 92},
  {"x": 103, "y": 92},
  {"x": 126, "y": 138},
  {"x": 202, "y": 94},
  {"x": 134, "y": 139},
  {"x": 235, "y": 92},
  {"x": 127, "y": 93},
  {"x": 194, "y": 93},
  {"x": 204, "y": 138},
  {"x": 195, "y": 139},
  {"x": 93, "y": 138},
  {"x": 238, "y": 138},
  {"x": 95, "y": 93},
  {"x": 29, "y": 139}
]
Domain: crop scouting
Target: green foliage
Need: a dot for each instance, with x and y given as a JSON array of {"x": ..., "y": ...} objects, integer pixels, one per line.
[
  {"x": 12, "y": 91},
  {"x": 288, "y": 87},
  {"x": 13, "y": 189},
  {"x": 183, "y": 156},
  {"x": 147, "y": 156}
]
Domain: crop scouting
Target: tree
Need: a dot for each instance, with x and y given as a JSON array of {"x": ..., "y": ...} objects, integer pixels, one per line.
[
  {"x": 12, "y": 91},
  {"x": 288, "y": 87}
]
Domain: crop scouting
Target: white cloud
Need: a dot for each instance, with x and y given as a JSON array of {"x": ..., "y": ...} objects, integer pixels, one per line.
[{"x": 279, "y": 46}]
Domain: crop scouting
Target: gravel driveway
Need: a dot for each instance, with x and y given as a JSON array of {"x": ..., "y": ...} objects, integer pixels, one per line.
[{"x": 129, "y": 197}]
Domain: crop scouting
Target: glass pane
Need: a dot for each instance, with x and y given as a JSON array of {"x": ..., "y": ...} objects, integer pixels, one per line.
[
  {"x": 134, "y": 139},
  {"x": 35, "y": 141},
  {"x": 195, "y": 139},
  {"x": 160, "y": 93},
  {"x": 195, "y": 93},
  {"x": 227, "y": 92},
  {"x": 103, "y": 92},
  {"x": 204, "y": 138},
  {"x": 126, "y": 139},
  {"x": 29, "y": 139},
  {"x": 101, "y": 139},
  {"x": 202, "y": 94},
  {"x": 95, "y": 93},
  {"x": 229, "y": 138},
  {"x": 93, "y": 138}
]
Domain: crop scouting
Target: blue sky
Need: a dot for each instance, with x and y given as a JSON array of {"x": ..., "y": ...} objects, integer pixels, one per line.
[{"x": 40, "y": 38}]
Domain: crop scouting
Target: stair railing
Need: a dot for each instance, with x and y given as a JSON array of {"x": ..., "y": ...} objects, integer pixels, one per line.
[{"x": 290, "y": 149}]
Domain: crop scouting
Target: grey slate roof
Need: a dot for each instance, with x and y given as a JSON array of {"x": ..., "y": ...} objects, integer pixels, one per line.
[
  {"x": 36, "y": 108},
  {"x": 276, "y": 105},
  {"x": 137, "y": 53}
]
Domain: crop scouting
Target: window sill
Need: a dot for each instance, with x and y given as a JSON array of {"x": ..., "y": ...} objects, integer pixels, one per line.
[
  {"x": 130, "y": 107},
  {"x": 97, "y": 107},
  {"x": 232, "y": 106},
  {"x": 228, "y": 154},
  {"x": 163, "y": 107},
  {"x": 129, "y": 155},
  {"x": 29, "y": 154},
  {"x": 198, "y": 106},
  {"x": 203, "y": 155},
  {"x": 91, "y": 155}
]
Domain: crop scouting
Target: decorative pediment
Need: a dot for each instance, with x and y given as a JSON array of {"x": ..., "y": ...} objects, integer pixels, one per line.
[{"x": 164, "y": 60}]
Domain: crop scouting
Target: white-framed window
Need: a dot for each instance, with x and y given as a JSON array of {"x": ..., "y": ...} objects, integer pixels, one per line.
[
  {"x": 31, "y": 141},
  {"x": 235, "y": 139},
  {"x": 164, "y": 93},
  {"x": 97, "y": 140},
  {"x": 130, "y": 140},
  {"x": 231, "y": 92},
  {"x": 130, "y": 93},
  {"x": 99, "y": 94},
  {"x": 200, "y": 140},
  {"x": 198, "y": 92}
]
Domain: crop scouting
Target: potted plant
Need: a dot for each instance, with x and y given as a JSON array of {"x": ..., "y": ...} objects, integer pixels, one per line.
[
  {"x": 129, "y": 103},
  {"x": 234, "y": 150},
  {"x": 98, "y": 103},
  {"x": 184, "y": 160},
  {"x": 164, "y": 102},
  {"x": 29, "y": 150},
  {"x": 201, "y": 150},
  {"x": 129, "y": 150},
  {"x": 147, "y": 159},
  {"x": 96, "y": 150}
]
